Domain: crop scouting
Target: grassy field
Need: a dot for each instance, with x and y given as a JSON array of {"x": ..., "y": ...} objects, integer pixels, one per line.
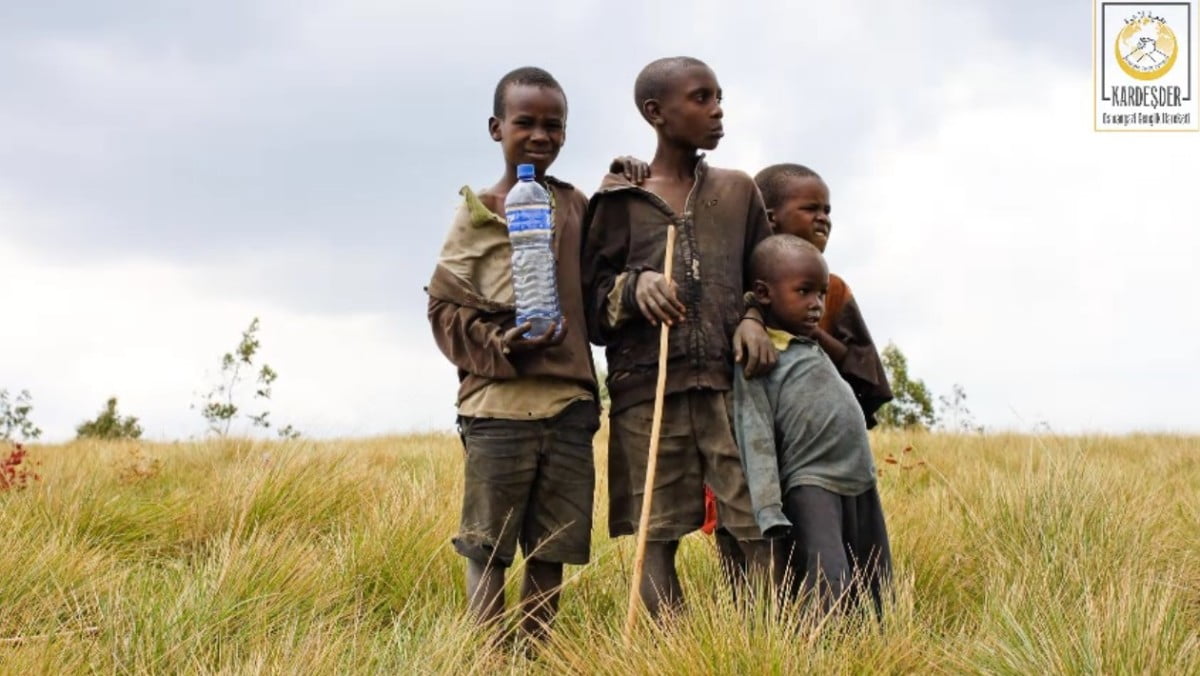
[{"x": 1014, "y": 554}]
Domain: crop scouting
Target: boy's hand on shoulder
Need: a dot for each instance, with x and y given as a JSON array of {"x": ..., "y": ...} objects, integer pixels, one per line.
[
  {"x": 634, "y": 170},
  {"x": 515, "y": 342},
  {"x": 833, "y": 347},
  {"x": 752, "y": 348},
  {"x": 657, "y": 300}
]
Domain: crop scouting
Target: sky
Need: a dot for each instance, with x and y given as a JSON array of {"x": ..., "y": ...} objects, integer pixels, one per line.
[{"x": 170, "y": 170}]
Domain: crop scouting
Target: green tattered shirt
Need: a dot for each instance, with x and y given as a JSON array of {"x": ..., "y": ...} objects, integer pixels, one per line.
[{"x": 799, "y": 425}]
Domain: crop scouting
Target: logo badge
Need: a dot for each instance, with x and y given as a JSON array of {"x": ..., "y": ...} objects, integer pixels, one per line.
[
  {"x": 1146, "y": 48},
  {"x": 1145, "y": 66}
]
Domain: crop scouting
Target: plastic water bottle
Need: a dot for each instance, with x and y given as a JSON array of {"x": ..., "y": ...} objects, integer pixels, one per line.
[{"x": 531, "y": 231}]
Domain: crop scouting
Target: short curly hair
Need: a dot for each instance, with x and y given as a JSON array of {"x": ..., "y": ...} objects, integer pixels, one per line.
[
  {"x": 771, "y": 181},
  {"x": 655, "y": 79},
  {"x": 767, "y": 258},
  {"x": 526, "y": 75}
]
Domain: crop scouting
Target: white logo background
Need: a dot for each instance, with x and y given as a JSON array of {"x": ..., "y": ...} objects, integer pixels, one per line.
[{"x": 1110, "y": 20}]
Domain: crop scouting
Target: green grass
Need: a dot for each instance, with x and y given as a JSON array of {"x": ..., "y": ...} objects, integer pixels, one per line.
[{"x": 1014, "y": 554}]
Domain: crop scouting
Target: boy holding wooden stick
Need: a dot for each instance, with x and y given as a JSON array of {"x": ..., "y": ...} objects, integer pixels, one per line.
[{"x": 719, "y": 217}]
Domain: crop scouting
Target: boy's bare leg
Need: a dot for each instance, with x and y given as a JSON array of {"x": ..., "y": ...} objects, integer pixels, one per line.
[
  {"x": 748, "y": 562},
  {"x": 783, "y": 571},
  {"x": 659, "y": 588},
  {"x": 733, "y": 562},
  {"x": 539, "y": 596},
  {"x": 761, "y": 565},
  {"x": 485, "y": 591}
]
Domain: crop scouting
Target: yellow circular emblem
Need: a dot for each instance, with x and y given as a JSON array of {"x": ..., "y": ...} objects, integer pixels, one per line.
[{"x": 1146, "y": 48}]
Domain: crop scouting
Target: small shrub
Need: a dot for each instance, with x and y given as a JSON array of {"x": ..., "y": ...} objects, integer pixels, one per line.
[
  {"x": 109, "y": 425},
  {"x": 219, "y": 407},
  {"x": 14, "y": 417},
  {"x": 912, "y": 404},
  {"x": 138, "y": 466},
  {"x": 956, "y": 417},
  {"x": 15, "y": 471}
]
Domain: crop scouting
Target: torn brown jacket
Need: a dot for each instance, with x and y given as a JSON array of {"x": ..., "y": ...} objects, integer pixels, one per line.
[
  {"x": 471, "y": 300},
  {"x": 861, "y": 366},
  {"x": 625, "y": 233}
]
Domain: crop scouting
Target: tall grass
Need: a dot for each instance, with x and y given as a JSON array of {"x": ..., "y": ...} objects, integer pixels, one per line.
[{"x": 1014, "y": 554}]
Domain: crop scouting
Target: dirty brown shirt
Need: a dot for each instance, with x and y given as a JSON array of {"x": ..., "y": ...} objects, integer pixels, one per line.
[
  {"x": 625, "y": 233},
  {"x": 472, "y": 305}
]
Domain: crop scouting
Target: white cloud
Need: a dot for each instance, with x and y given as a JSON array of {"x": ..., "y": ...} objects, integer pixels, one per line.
[
  {"x": 152, "y": 334},
  {"x": 987, "y": 230},
  {"x": 1044, "y": 266}
]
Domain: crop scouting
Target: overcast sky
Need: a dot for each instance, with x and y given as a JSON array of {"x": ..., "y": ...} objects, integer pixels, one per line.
[{"x": 169, "y": 170}]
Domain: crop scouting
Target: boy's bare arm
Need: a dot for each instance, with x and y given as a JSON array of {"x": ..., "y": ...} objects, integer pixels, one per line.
[
  {"x": 752, "y": 347},
  {"x": 833, "y": 347}
]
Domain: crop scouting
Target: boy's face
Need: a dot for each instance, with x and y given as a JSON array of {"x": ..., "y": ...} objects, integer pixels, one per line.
[
  {"x": 804, "y": 211},
  {"x": 534, "y": 126},
  {"x": 795, "y": 296},
  {"x": 690, "y": 112}
]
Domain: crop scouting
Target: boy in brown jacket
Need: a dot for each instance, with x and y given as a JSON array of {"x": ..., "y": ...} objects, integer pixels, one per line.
[
  {"x": 527, "y": 407},
  {"x": 719, "y": 217}
]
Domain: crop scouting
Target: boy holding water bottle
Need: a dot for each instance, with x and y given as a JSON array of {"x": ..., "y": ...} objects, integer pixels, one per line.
[{"x": 527, "y": 400}]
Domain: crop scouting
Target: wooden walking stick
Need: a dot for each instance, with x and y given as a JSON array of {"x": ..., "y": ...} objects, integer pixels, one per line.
[{"x": 639, "y": 560}]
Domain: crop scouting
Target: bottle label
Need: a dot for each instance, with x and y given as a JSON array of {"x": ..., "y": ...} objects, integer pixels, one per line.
[{"x": 528, "y": 218}]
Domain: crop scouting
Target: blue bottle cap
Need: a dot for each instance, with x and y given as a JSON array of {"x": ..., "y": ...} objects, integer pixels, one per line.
[{"x": 524, "y": 172}]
